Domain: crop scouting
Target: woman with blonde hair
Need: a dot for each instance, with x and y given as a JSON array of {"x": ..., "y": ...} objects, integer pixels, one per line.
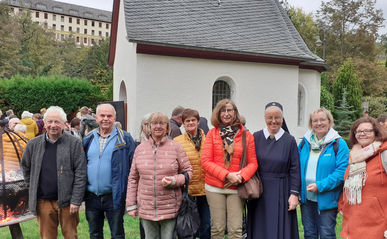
[
  {"x": 221, "y": 158},
  {"x": 323, "y": 160},
  {"x": 155, "y": 178}
]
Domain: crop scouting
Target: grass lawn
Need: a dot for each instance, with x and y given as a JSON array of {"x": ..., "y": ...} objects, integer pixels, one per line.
[{"x": 31, "y": 230}]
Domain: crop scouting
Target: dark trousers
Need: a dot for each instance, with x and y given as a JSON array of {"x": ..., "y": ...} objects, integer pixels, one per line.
[
  {"x": 205, "y": 219},
  {"x": 318, "y": 224},
  {"x": 99, "y": 207}
]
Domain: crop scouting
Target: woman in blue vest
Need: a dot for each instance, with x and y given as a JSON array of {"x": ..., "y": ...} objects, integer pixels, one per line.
[{"x": 323, "y": 160}]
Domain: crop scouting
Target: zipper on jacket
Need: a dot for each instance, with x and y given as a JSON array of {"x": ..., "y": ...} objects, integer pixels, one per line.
[{"x": 154, "y": 179}]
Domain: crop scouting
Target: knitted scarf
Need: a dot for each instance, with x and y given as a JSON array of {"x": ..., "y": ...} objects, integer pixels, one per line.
[
  {"x": 197, "y": 140},
  {"x": 357, "y": 176},
  {"x": 227, "y": 133}
]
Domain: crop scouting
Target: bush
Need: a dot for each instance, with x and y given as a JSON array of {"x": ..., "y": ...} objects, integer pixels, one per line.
[
  {"x": 27, "y": 93},
  {"x": 376, "y": 105}
]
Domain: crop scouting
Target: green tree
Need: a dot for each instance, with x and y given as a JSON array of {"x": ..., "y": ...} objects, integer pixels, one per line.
[
  {"x": 347, "y": 79},
  {"x": 95, "y": 66},
  {"x": 343, "y": 116},
  {"x": 305, "y": 25},
  {"x": 10, "y": 46},
  {"x": 326, "y": 99},
  {"x": 351, "y": 27},
  {"x": 37, "y": 47},
  {"x": 376, "y": 105}
]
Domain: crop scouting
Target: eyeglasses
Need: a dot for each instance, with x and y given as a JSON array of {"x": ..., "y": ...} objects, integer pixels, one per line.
[
  {"x": 159, "y": 123},
  {"x": 271, "y": 118},
  {"x": 319, "y": 120},
  {"x": 365, "y": 132},
  {"x": 226, "y": 110}
]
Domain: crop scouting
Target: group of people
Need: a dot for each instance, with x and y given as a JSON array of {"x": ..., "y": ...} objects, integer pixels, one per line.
[{"x": 113, "y": 174}]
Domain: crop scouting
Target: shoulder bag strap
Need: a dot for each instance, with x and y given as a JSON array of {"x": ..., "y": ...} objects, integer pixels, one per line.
[{"x": 243, "y": 159}]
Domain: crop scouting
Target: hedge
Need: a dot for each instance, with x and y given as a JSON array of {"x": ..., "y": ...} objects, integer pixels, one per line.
[{"x": 33, "y": 93}]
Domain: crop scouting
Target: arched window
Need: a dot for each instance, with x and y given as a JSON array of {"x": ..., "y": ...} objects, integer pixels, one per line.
[
  {"x": 122, "y": 95},
  {"x": 220, "y": 90},
  {"x": 301, "y": 106}
]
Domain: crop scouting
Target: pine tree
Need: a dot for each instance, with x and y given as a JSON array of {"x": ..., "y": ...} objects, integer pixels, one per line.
[
  {"x": 343, "y": 116},
  {"x": 348, "y": 79}
]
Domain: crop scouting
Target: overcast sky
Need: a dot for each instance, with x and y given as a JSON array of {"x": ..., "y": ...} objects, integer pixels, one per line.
[{"x": 307, "y": 5}]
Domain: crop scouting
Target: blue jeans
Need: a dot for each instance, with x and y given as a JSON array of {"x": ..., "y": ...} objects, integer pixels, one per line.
[
  {"x": 318, "y": 223},
  {"x": 97, "y": 207},
  {"x": 205, "y": 220}
]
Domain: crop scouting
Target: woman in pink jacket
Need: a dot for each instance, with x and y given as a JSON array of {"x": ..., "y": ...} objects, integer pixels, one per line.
[{"x": 155, "y": 179}]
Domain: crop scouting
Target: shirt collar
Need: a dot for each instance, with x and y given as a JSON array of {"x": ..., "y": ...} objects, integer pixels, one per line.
[
  {"x": 50, "y": 140},
  {"x": 277, "y": 136}
]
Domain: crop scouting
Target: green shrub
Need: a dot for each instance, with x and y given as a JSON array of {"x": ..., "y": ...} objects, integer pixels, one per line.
[
  {"x": 376, "y": 105},
  {"x": 32, "y": 93}
]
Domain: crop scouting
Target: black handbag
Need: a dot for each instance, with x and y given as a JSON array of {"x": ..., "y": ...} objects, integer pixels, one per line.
[{"x": 188, "y": 219}]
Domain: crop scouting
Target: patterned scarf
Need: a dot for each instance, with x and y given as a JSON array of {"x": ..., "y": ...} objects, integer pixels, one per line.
[
  {"x": 197, "y": 140},
  {"x": 315, "y": 144},
  {"x": 357, "y": 176},
  {"x": 227, "y": 133}
]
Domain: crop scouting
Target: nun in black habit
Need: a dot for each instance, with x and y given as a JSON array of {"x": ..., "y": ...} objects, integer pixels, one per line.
[{"x": 274, "y": 215}]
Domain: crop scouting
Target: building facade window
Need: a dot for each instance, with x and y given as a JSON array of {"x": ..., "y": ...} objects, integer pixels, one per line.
[
  {"x": 220, "y": 90},
  {"x": 301, "y": 106},
  {"x": 92, "y": 41},
  {"x": 85, "y": 40},
  {"x": 37, "y": 14},
  {"x": 45, "y": 15},
  {"x": 78, "y": 30},
  {"x": 107, "y": 34},
  {"x": 85, "y": 31},
  {"x": 62, "y": 37},
  {"x": 70, "y": 29},
  {"x": 92, "y": 23},
  {"x": 100, "y": 24},
  {"x": 61, "y": 27},
  {"x": 92, "y": 32},
  {"x": 77, "y": 39},
  {"x": 100, "y": 33},
  {"x": 70, "y": 20},
  {"x": 54, "y": 17},
  {"x": 54, "y": 26},
  {"x": 62, "y": 18},
  {"x": 85, "y": 22},
  {"x": 78, "y": 21},
  {"x": 107, "y": 26},
  {"x": 45, "y": 25}
]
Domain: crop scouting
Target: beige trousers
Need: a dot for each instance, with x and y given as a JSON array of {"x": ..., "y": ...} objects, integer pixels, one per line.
[
  {"x": 225, "y": 209},
  {"x": 49, "y": 216}
]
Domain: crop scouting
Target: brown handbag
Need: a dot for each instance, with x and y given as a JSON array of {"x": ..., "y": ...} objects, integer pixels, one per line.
[{"x": 251, "y": 189}]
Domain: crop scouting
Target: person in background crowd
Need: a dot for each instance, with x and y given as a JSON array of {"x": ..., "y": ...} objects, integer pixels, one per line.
[
  {"x": 88, "y": 122},
  {"x": 118, "y": 124},
  {"x": 144, "y": 129},
  {"x": 203, "y": 125},
  {"x": 155, "y": 179},
  {"x": 54, "y": 169},
  {"x": 13, "y": 122},
  {"x": 221, "y": 155},
  {"x": 363, "y": 202},
  {"x": 43, "y": 111},
  {"x": 75, "y": 125},
  {"x": 32, "y": 127},
  {"x": 192, "y": 141},
  {"x": 109, "y": 152},
  {"x": 323, "y": 160},
  {"x": 39, "y": 122},
  {"x": 20, "y": 128},
  {"x": 273, "y": 215},
  {"x": 382, "y": 119},
  {"x": 176, "y": 122},
  {"x": 9, "y": 114}
]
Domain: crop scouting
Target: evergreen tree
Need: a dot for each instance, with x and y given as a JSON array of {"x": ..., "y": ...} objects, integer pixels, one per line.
[
  {"x": 343, "y": 116},
  {"x": 348, "y": 79}
]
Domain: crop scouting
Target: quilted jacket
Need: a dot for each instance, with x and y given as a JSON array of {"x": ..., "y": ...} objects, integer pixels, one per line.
[{"x": 151, "y": 163}]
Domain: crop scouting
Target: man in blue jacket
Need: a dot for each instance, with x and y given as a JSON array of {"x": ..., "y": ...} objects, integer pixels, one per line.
[{"x": 109, "y": 152}]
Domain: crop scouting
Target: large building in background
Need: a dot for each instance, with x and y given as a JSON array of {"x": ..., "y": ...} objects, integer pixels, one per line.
[{"x": 87, "y": 25}]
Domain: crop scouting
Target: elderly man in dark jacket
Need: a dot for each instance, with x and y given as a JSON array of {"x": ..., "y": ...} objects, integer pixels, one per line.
[{"x": 54, "y": 168}]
